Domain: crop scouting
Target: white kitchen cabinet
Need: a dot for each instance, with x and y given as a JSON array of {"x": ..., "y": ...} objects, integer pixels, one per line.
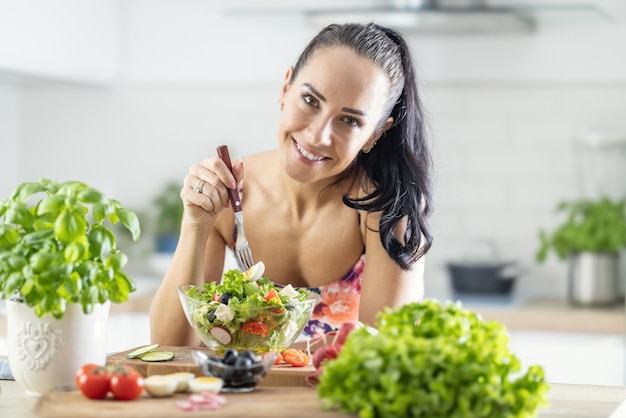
[{"x": 73, "y": 40}]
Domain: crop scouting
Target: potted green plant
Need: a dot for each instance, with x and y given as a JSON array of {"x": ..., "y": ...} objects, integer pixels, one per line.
[
  {"x": 169, "y": 215},
  {"x": 59, "y": 270},
  {"x": 590, "y": 238}
]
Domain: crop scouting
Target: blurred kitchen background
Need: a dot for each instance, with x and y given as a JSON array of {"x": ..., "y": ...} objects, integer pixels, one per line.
[{"x": 526, "y": 106}]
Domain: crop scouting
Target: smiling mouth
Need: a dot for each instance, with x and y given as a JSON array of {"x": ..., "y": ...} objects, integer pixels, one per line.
[{"x": 308, "y": 155}]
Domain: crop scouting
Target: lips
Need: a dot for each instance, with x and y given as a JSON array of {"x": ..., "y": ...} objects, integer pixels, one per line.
[{"x": 307, "y": 155}]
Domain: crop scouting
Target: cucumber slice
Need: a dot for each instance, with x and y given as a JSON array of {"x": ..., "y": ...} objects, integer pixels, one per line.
[
  {"x": 157, "y": 356},
  {"x": 141, "y": 351}
]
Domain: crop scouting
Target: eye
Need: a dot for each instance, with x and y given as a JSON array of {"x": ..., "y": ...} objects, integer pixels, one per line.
[
  {"x": 352, "y": 121},
  {"x": 310, "y": 100}
]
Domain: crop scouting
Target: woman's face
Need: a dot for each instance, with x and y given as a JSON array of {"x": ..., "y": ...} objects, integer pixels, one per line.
[{"x": 331, "y": 111}]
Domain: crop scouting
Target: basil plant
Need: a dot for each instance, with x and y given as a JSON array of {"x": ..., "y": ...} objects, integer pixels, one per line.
[{"x": 56, "y": 249}]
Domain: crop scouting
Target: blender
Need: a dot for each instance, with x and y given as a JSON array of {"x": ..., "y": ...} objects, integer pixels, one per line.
[{"x": 600, "y": 154}]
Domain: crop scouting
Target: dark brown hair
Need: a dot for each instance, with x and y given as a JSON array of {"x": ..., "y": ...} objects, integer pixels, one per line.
[{"x": 399, "y": 165}]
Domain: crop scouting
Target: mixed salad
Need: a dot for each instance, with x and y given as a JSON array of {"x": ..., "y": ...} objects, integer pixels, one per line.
[{"x": 247, "y": 311}]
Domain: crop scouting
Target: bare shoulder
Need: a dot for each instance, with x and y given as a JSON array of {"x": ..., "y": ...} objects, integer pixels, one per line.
[
  {"x": 260, "y": 171},
  {"x": 261, "y": 160}
]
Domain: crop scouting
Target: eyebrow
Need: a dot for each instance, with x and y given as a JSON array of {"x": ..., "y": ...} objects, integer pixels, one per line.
[{"x": 323, "y": 98}]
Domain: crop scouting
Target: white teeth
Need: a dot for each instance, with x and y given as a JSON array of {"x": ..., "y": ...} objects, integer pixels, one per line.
[{"x": 307, "y": 155}]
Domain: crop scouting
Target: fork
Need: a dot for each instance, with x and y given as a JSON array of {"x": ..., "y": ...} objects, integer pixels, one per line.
[{"x": 242, "y": 248}]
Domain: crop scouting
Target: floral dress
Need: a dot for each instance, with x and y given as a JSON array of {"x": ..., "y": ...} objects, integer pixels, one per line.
[{"x": 337, "y": 302}]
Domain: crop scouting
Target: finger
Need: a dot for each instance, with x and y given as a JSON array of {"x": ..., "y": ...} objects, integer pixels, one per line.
[
  {"x": 213, "y": 175},
  {"x": 221, "y": 170},
  {"x": 203, "y": 202},
  {"x": 216, "y": 194},
  {"x": 238, "y": 170},
  {"x": 194, "y": 188},
  {"x": 208, "y": 171}
]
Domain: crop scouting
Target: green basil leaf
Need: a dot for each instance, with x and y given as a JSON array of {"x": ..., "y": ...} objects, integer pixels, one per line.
[
  {"x": 69, "y": 226},
  {"x": 19, "y": 214},
  {"x": 101, "y": 241},
  {"x": 91, "y": 195},
  {"x": 51, "y": 204},
  {"x": 72, "y": 285},
  {"x": 13, "y": 282},
  {"x": 117, "y": 261},
  {"x": 27, "y": 287},
  {"x": 76, "y": 251},
  {"x": 130, "y": 221},
  {"x": 42, "y": 261},
  {"x": 26, "y": 190},
  {"x": 8, "y": 235}
]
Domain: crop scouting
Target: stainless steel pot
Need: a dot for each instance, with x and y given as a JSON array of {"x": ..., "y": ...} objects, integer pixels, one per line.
[{"x": 593, "y": 279}]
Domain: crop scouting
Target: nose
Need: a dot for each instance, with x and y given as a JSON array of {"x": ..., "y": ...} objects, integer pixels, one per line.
[{"x": 319, "y": 130}]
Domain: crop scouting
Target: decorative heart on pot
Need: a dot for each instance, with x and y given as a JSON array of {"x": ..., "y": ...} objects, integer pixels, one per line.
[{"x": 36, "y": 346}]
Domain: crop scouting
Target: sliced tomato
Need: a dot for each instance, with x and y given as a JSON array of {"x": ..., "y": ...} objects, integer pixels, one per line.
[
  {"x": 272, "y": 294},
  {"x": 295, "y": 357},
  {"x": 255, "y": 328},
  {"x": 279, "y": 359}
]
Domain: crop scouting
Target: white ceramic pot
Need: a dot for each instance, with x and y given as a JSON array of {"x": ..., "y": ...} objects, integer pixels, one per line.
[{"x": 45, "y": 353}]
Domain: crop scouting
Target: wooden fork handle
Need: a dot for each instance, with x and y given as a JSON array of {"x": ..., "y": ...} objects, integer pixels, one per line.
[{"x": 222, "y": 152}]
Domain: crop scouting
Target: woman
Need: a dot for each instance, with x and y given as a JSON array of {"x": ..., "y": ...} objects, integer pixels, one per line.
[{"x": 340, "y": 207}]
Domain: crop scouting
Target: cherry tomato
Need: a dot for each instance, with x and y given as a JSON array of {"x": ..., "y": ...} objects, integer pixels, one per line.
[
  {"x": 255, "y": 328},
  {"x": 126, "y": 383},
  {"x": 93, "y": 381},
  {"x": 296, "y": 357}
]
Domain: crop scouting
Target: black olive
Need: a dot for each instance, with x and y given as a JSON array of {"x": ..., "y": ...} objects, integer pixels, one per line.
[
  {"x": 243, "y": 362},
  {"x": 230, "y": 356},
  {"x": 210, "y": 316},
  {"x": 248, "y": 354},
  {"x": 225, "y": 298},
  {"x": 290, "y": 308}
]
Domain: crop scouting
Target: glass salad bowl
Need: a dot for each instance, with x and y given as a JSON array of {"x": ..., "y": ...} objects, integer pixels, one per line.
[{"x": 260, "y": 318}]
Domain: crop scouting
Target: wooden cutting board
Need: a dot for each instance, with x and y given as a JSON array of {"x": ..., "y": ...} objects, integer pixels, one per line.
[
  {"x": 279, "y": 375},
  {"x": 294, "y": 402}
]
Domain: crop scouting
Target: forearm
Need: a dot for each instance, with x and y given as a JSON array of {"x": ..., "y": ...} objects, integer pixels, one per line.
[
  {"x": 386, "y": 285},
  {"x": 168, "y": 325}
]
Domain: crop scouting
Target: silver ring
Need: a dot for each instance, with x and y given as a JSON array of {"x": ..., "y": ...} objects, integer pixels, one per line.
[{"x": 198, "y": 188}]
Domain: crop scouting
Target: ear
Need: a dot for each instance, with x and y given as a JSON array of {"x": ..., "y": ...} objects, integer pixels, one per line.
[
  {"x": 286, "y": 84},
  {"x": 384, "y": 128},
  {"x": 376, "y": 136}
]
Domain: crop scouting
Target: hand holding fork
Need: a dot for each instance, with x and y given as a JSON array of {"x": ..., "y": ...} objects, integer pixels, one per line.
[{"x": 242, "y": 249}]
